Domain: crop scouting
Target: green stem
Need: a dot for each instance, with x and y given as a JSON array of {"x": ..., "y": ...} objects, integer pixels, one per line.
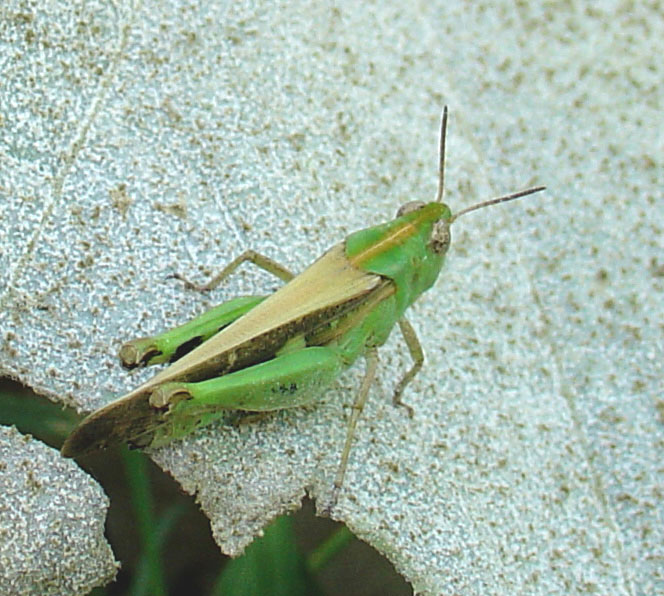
[
  {"x": 328, "y": 549},
  {"x": 139, "y": 487}
]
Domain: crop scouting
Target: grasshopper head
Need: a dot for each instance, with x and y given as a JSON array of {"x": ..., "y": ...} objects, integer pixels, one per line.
[{"x": 441, "y": 237}]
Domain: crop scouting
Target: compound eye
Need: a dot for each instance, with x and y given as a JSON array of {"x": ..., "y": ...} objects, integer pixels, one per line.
[
  {"x": 409, "y": 207},
  {"x": 440, "y": 237}
]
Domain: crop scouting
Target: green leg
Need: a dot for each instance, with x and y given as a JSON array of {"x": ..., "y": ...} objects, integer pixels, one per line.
[
  {"x": 294, "y": 379},
  {"x": 416, "y": 353},
  {"x": 175, "y": 343}
]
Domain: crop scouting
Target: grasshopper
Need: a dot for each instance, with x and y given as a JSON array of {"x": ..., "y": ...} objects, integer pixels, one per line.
[{"x": 263, "y": 353}]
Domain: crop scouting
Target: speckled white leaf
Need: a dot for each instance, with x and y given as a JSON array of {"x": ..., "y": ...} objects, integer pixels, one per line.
[{"x": 52, "y": 518}]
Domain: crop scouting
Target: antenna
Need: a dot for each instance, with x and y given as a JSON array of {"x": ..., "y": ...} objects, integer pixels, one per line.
[
  {"x": 503, "y": 199},
  {"x": 441, "y": 179},
  {"x": 441, "y": 157}
]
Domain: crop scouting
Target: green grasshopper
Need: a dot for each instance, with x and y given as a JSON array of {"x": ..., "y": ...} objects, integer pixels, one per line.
[{"x": 263, "y": 353}]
